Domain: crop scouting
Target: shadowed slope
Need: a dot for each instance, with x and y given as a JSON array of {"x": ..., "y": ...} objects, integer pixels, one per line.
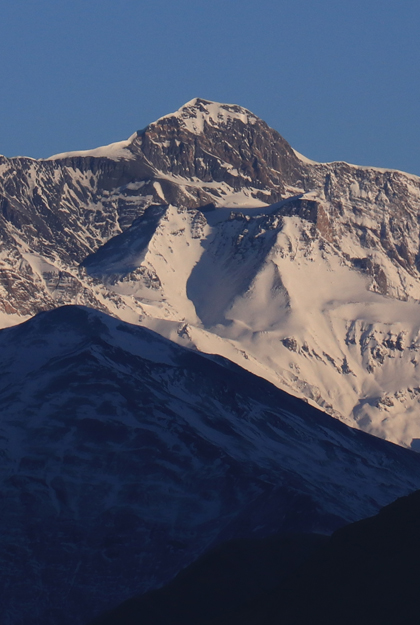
[
  {"x": 368, "y": 573},
  {"x": 125, "y": 457},
  {"x": 218, "y": 582}
]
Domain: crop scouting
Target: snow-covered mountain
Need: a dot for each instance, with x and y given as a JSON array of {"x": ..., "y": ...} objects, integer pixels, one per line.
[
  {"x": 208, "y": 228},
  {"x": 125, "y": 456}
]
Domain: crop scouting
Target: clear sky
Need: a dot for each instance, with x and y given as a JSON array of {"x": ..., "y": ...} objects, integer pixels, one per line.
[{"x": 338, "y": 79}]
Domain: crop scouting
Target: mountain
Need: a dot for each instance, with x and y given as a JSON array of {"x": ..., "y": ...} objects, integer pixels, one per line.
[
  {"x": 126, "y": 456},
  {"x": 367, "y": 572},
  {"x": 208, "y": 228},
  {"x": 222, "y": 581}
]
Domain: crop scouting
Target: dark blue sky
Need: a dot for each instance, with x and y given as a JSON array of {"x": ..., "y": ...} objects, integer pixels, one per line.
[{"x": 339, "y": 80}]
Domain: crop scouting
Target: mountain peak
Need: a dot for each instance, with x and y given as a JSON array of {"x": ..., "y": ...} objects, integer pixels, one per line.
[{"x": 194, "y": 113}]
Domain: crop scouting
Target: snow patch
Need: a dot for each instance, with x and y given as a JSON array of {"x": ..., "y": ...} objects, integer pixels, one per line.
[
  {"x": 114, "y": 151},
  {"x": 195, "y": 113}
]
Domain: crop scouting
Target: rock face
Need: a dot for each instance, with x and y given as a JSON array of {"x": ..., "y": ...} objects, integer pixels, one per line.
[
  {"x": 207, "y": 227},
  {"x": 126, "y": 456}
]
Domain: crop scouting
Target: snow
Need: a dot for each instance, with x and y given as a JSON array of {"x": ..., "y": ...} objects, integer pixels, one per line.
[
  {"x": 8, "y": 320},
  {"x": 195, "y": 113},
  {"x": 114, "y": 151},
  {"x": 40, "y": 265},
  {"x": 243, "y": 288},
  {"x": 382, "y": 170},
  {"x": 304, "y": 159}
]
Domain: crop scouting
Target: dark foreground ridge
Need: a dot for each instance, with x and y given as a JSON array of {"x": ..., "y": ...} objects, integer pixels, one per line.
[
  {"x": 367, "y": 573},
  {"x": 219, "y": 582},
  {"x": 125, "y": 457}
]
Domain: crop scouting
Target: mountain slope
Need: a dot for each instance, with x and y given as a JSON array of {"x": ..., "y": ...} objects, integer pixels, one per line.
[
  {"x": 126, "y": 456},
  {"x": 219, "y": 582},
  {"x": 209, "y": 229},
  {"x": 367, "y": 572}
]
